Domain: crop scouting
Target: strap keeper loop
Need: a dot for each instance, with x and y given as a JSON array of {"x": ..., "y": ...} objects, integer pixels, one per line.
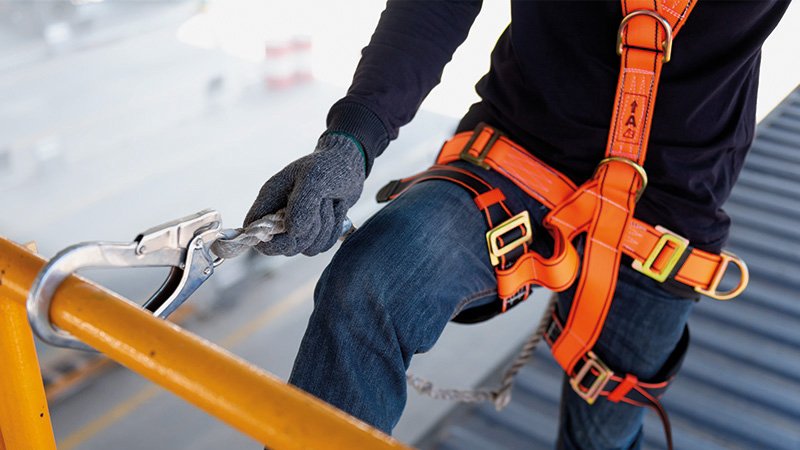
[
  {"x": 622, "y": 389},
  {"x": 489, "y": 198}
]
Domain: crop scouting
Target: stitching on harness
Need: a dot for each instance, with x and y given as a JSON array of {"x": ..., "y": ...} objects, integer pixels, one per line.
[
  {"x": 640, "y": 71},
  {"x": 603, "y": 244},
  {"x": 605, "y": 199},
  {"x": 566, "y": 224},
  {"x": 671, "y": 11}
]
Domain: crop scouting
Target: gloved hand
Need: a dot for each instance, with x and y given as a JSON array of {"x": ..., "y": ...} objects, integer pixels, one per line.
[{"x": 316, "y": 191}]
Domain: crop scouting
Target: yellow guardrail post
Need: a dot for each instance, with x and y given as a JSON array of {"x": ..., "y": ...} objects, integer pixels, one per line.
[
  {"x": 253, "y": 401},
  {"x": 24, "y": 416}
]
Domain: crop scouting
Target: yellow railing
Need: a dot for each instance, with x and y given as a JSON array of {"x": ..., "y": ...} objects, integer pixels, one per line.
[{"x": 247, "y": 398}]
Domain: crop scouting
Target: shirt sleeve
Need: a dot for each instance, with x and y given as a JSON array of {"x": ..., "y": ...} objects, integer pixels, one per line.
[{"x": 404, "y": 60}]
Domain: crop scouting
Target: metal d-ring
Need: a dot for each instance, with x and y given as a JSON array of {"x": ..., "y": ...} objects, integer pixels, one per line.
[
  {"x": 646, "y": 12},
  {"x": 639, "y": 170}
]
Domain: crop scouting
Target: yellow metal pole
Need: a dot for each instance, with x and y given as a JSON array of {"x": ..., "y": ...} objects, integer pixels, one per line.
[
  {"x": 247, "y": 398},
  {"x": 24, "y": 416}
]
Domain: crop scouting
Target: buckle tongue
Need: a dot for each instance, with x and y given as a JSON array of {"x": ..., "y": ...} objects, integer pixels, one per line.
[
  {"x": 596, "y": 367},
  {"x": 496, "y": 250},
  {"x": 680, "y": 243}
]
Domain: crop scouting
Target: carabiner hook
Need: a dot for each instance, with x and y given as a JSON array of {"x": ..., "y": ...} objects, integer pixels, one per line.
[{"x": 182, "y": 244}]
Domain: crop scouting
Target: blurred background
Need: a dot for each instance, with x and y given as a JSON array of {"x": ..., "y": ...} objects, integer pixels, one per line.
[{"x": 118, "y": 115}]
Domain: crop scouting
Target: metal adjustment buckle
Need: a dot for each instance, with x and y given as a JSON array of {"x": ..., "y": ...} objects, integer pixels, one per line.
[
  {"x": 479, "y": 160},
  {"x": 667, "y": 44},
  {"x": 681, "y": 244},
  {"x": 182, "y": 244},
  {"x": 496, "y": 251},
  {"x": 722, "y": 269},
  {"x": 603, "y": 376}
]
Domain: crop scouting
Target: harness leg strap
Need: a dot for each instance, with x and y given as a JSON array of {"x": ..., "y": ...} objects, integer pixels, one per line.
[
  {"x": 594, "y": 379},
  {"x": 507, "y": 237}
]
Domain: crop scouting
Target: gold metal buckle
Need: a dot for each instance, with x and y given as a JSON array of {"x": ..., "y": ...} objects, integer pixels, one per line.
[
  {"x": 681, "y": 244},
  {"x": 744, "y": 279},
  {"x": 667, "y": 44},
  {"x": 639, "y": 170},
  {"x": 479, "y": 160},
  {"x": 492, "y": 236},
  {"x": 591, "y": 393}
]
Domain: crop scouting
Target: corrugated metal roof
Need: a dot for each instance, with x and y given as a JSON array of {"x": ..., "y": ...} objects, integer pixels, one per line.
[{"x": 740, "y": 383}]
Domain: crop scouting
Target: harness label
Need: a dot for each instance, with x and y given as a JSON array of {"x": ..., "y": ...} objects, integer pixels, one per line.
[{"x": 631, "y": 118}]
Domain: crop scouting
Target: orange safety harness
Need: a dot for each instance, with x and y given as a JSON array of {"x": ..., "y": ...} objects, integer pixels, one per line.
[{"x": 602, "y": 208}]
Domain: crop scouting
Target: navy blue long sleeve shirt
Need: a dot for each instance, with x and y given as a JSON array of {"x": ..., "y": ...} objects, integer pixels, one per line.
[{"x": 551, "y": 88}]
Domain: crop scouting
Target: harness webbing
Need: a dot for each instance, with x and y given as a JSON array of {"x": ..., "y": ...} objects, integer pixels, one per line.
[
  {"x": 656, "y": 251},
  {"x": 609, "y": 198},
  {"x": 602, "y": 208}
]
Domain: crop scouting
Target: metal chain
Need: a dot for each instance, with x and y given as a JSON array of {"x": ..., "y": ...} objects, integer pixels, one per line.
[
  {"x": 500, "y": 395},
  {"x": 235, "y": 241}
]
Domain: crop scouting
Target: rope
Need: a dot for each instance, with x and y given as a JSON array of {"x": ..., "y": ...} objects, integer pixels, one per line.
[
  {"x": 235, "y": 241},
  {"x": 500, "y": 395}
]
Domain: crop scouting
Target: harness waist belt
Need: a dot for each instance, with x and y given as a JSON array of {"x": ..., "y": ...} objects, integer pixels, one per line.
[{"x": 655, "y": 251}]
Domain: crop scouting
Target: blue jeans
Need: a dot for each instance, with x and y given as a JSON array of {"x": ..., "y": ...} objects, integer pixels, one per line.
[{"x": 394, "y": 284}]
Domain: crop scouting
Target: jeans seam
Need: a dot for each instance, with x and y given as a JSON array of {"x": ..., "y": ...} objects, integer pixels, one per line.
[{"x": 473, "y": 298}]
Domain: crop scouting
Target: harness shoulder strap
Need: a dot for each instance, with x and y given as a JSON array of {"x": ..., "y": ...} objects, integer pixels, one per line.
[{"x": 609, "y": 198}]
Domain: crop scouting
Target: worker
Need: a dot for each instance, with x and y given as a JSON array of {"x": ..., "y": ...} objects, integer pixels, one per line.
[{"x": 422, "y": 260}]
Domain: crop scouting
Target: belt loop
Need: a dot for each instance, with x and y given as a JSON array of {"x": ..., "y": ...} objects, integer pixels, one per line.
[{"x": 622, "y": 389}]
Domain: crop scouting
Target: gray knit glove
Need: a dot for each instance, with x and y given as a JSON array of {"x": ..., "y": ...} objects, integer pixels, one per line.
[{"x": 316, "y": 191}]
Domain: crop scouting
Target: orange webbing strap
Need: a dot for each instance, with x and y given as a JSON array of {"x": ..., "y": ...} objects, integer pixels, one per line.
[
  {"x": 595, "y": 379},
  {"x": 489, "y": 148},
  {"x": 656, "y": 251},
  {"x": 645, "y": 41}
]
